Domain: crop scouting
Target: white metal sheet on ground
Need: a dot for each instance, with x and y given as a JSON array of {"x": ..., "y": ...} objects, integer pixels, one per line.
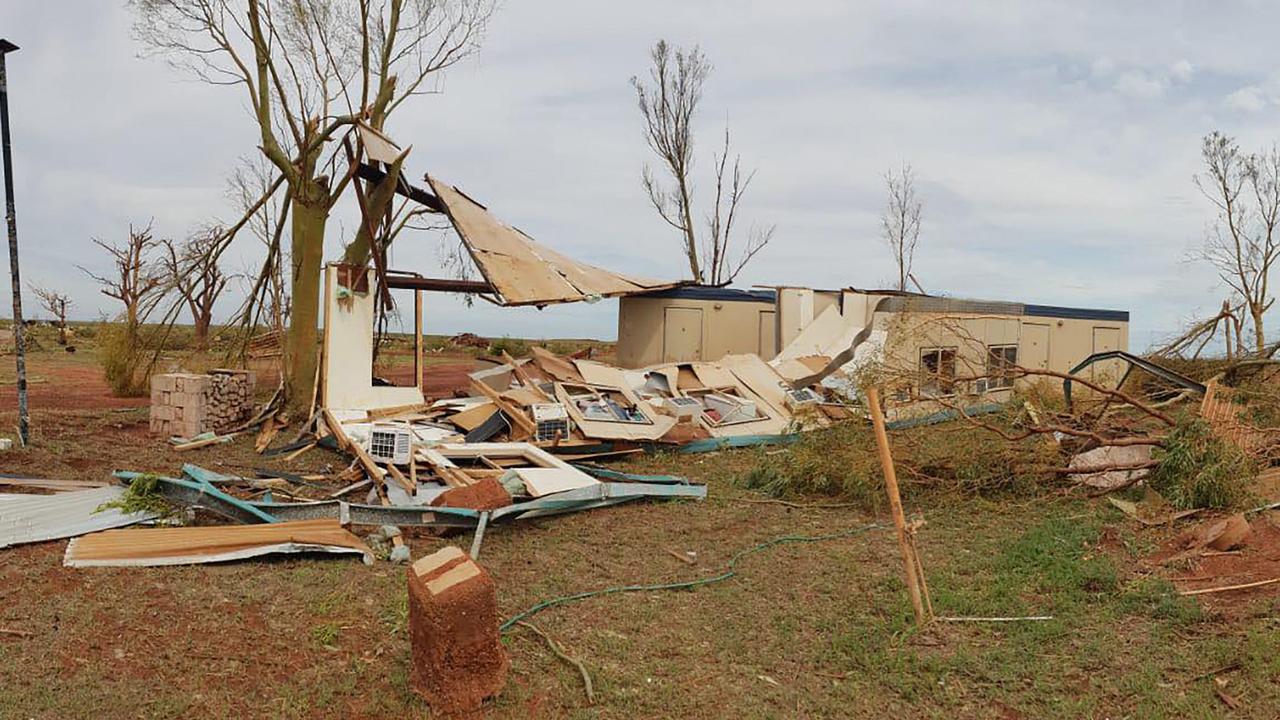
[
  {"x": 548, "y": 481},
  {"x": 36, "y": 518}
]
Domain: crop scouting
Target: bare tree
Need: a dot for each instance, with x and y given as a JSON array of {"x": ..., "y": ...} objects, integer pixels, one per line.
[
  {"x": 1242, "y": 245},
  {"x": 668, "y": 104},
  {"x": 268, "y": 293},
  {"x": 137, "y": 281},
  {"x": 900, "y": 223},
  {"x": 56, "y": 304},
  {"x": 311, "y": 69},
  {"x": 193, "y": 272}
]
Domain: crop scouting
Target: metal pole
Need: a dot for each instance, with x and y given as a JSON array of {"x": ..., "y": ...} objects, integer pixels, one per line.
[{"x": 19, "y": 331}]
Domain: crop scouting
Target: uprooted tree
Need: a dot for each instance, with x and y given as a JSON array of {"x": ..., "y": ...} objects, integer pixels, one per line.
[
  {"x": 1243, "y": 244},
  {"x": 668, "y": 105},
  {"x": 193, "y": 271},
  {"x": 309, "y": 71},
  {"x": 56, "y": 304},
  {"x": 900, "y": 223}
]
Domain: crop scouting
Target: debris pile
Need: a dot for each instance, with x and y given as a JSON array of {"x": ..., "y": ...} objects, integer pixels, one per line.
[{"x": 566, "y": 403}]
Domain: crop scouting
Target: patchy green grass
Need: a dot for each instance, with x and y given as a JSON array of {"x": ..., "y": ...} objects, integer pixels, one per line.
[{"x": 820, "y": 630}]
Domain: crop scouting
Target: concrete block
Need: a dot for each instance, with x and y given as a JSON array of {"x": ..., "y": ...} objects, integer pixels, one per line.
[{"x": 458, "y": 659}]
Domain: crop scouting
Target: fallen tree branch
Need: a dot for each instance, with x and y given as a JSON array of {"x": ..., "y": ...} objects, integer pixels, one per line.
[
  {"x": 555, "y": 648},
  {"x": 1228, "y": 588}
]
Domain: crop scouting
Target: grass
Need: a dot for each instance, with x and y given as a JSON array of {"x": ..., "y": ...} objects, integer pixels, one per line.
[{"x": 817, "y": 630}]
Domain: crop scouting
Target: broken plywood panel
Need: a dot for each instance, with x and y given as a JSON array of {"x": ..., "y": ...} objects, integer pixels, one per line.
[
  {"x": 599, "y": 429},
  {"x": 347, "y": 359},
  {"x": 523, "y": 271}
]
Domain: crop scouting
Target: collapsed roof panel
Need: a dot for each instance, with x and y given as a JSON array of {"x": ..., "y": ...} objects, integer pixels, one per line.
[{"x": 522, "y": 270}]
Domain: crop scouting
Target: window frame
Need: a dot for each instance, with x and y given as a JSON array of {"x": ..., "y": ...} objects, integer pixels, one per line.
[
  {"x": 946, "y": 388},
  {"x": 999, "y": 366}
]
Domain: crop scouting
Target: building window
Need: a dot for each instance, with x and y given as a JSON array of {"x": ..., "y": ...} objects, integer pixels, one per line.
[
  {"x": 1002, "y": 364},
  {"x": 937, "y": 372}
]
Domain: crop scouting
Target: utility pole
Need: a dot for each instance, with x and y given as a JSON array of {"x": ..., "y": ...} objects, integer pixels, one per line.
[{"x": 19, "y": 331}]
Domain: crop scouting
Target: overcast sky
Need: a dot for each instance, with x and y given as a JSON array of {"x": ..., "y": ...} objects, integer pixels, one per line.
[{"x": 1055, "y": 142}]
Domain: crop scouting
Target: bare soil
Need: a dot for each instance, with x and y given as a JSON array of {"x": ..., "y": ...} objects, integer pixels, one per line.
[{"x": 805, "y": 630}]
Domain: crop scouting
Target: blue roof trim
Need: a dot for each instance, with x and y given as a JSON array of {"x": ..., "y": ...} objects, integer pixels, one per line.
[
  {"x": 692, "y": 292},
  {"x": 1076, "y": 313}
]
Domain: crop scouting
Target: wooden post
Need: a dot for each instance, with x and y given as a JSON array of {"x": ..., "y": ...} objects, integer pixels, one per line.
[
  {"x": 417, "y": 335},
  {"x": 895, "y": 504}
]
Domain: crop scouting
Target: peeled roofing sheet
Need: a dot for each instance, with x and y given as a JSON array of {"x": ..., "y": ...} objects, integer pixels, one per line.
[
  {"x": 192, "y": 545},
  {"x": 522, "y": 270},
  {"x": 35, "y": 518}
]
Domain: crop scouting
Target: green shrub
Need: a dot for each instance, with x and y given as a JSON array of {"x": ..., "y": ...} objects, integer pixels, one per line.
[
  {"x": 124, "y": 359},
  {"x": 1198, "y": 469},
  {"x": 514, "y": 347}
]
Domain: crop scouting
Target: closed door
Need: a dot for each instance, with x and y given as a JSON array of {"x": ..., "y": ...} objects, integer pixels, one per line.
[
  {"x": 682, "y": 334},
  {"x": 768, "y": 334},
  {"x": 1034, "y": 346},
  {"x": 1104, "y": 339}
]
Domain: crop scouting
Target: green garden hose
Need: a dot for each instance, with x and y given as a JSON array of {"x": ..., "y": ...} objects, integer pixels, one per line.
[{"x": 730, "y": 571}]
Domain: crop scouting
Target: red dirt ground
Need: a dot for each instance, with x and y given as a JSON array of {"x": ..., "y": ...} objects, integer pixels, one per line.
[
  {"x": 65, "y": 386},
  {"x": 438, "y": 381},
  {"x": 1257, "y": 559}
]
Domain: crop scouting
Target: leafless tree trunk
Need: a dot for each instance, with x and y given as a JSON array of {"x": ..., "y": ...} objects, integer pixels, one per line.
[
  {"x": 668, "y": 104},
  {"x": 311, "y": 69},
  {"x": 137, "y": 281},
  {"x": 1242, "y": 245},
  {"x": 56, "y": 304},
  {"x": 900, "y": 222},
  {"x": 194, "y": 273}
]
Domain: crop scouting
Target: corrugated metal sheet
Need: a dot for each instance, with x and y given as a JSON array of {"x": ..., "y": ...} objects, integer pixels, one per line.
[
  {"x": 188, "y": 545},
  {"x": 35, "y": 518}
]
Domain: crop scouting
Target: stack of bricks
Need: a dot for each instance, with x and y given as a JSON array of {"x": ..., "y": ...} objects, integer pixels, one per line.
[
  {"x": 186, "y": 405},
  {"x": 230, "y": 399}
]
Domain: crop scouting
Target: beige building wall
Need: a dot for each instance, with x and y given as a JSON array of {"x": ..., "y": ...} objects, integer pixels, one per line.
[
  {"x": 658, "y": 329},
  {"x": 1043, "y": 342},
  {"x": 670, "y": 327}
]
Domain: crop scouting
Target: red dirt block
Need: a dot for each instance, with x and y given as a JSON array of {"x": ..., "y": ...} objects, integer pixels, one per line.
[
  {"x": 486, "y": 494},
  {"x": 458, "y": 659}
]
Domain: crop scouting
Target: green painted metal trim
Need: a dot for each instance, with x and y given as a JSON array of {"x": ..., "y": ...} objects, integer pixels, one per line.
[
  {"x": 188, "y": 491},
  {"x": 738, "y": 441}
]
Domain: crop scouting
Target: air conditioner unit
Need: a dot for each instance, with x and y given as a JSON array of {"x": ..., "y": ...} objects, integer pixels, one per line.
[
  {"x": 800, "y": 398},
  {"x": 681, "y": 407},
  {"x": 551, "y": 421},
  {"x": 390, "y": 443}
]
